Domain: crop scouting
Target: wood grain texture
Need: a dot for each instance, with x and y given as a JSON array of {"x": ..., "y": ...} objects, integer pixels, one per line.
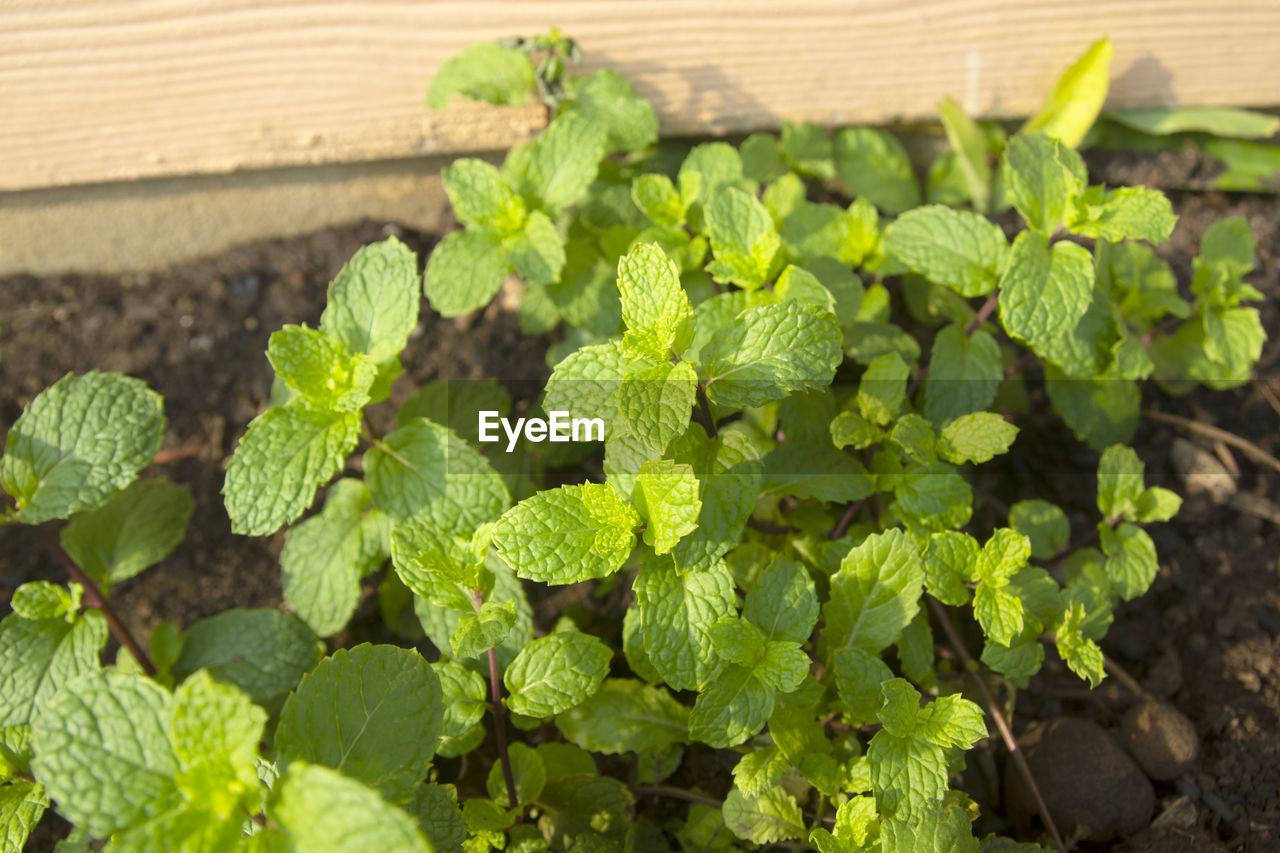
[{"x": 104, "y": 90}]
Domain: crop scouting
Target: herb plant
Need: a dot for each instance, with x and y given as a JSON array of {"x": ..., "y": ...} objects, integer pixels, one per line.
[{"x": 772, "y": 531}]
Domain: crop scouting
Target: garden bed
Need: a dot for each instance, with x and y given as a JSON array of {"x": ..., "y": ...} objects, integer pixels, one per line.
[{"x": 1207, "y": 637}]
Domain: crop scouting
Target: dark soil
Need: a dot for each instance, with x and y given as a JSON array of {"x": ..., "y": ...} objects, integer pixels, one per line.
[{"x": 1206, "y": 639}]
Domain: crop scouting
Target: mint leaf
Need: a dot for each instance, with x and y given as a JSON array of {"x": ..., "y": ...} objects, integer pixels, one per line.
[
  {"x": 1100, "y": 412},
  {"x": 1156, "y": 504},
  {"x": 814, "y": 471},
  {"x": 1131, "y": 559},
  {"x": 976, "y": 438},
  {"x": 557, "y": 168},
  {"x": 38, "y": 657},
  {"x": 1120, "y": 474},
  {"x": 436, "y": 808},
  {"x": 483, "y": 629},
  {"x": 46, "y": 600},
  {"x": 1077, "y": 97},
  {"x": 350, "y": 713},
  {"x": 325, "y": 557},
  {"x": 970, "y": 147},
  {"x": 325, "y": 811},
  {"x": 655, "y": 307},
  {"x": 441, "y": 623},
  {"x": 667, "y": 497},
  {"x": 757, "y": 772},
  {"x": 422, "y": 468},
  {"x": 658, "y": 199},
  {"x": 556, "y": 672},
  {"x": 103, "y": 751},
  {"x": 875, "y": 594},
  {"x": 882, "y": 390},
  {"x": 136, "y": 530},
  {"x": 286, "y": 454},
  {"x": 958, "y": 249},
  {"x": 321, "y": 368},
  {"x": 654, "y": 405},
  {"x": 438, "y": 565},
  {"x": 537, "y": 251},
  {"x": 1220, "y": 121},
  {"x": 999, "y": 612},
  {"x": 465, "y": 270},
  {"x": 850, "y": 429},
  {"x": 481, "y": 199},
  {"x": 950, "y": 561},
  {"x": 858, "y": 676},
  {"x": 79, "y": 443},
  {"x": 263, "y": 652},
  {"x": 678, "y": 611},
  {"x": 527, "y": 769},
  {"x": 568, "y": 534},
  {"x": 373, "y": 302},
  {"x": 769, "y": 818},
  {"x": 964, "y": 374},
  {"x": 1081, "y": 654},
  {"x": 22, "y": 803},
  {"x": 1045, "y": 291},
  {"x": 1132, "y": 213},
  {"x": 465, "y": 694},
  {"x": 731, "y": 709},
  {"x": 783, "y": 602},
  {"x": 743, "y": 239},
  {"x": 770, "y": 351},
  {"x": 483, "y": 72},
  {"x": 729, "y": 472},
  {"x": 587, "y": 382},
  {"x": 455, "y": 405},
  {"x": 625, "y": 716},
  {"x": 1044, "y": 524},
  {"x": 608, "y": 99},
  {"x": 872, "y": 164},
  {"x": 1042, "y": 177}
]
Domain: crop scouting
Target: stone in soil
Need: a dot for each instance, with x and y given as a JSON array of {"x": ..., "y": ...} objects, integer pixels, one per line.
[
  {"x": 1161, "y": 739},
  {"x": 1086, "y": 780}
]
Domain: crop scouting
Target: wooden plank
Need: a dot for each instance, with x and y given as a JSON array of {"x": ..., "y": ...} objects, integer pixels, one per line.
[{"x": 103, "y": 90}]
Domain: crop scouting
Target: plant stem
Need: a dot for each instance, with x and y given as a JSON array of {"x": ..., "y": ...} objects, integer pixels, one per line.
[
  {"x": 1006, "y": 734},
  {"x": 984, "y": 312},
  {"x": 845, "y": 520},
  {"x": 173, "y": 454},
  {"x": 705, "y": 408},
  {"x": 768, "y": 526},
  {"x": 92, "y": 595},
  {"x": 499, "y": 718}
]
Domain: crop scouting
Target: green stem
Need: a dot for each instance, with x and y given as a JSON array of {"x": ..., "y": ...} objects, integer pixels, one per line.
[{"x": 499, "y": 718}]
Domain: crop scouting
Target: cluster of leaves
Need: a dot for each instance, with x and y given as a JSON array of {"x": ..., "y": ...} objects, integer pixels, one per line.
[{"x": 774, "y": 533}]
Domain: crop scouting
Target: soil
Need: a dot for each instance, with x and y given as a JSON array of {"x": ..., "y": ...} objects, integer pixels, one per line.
[{"x": 1205, "y": 639}]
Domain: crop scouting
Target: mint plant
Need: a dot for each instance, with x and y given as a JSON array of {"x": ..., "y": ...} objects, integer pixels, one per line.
[{"x": 771, "y": 531}]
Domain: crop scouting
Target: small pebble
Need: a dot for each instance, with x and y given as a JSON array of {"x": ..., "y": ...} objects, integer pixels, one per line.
[{"x": 1161, "y": 739}]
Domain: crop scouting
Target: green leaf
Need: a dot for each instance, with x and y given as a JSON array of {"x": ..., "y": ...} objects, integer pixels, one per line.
[
  {"x": 729, "y": 471},
  {"x": 731, "y": 709},
  {"x": 858, "y": 676},
  {"x": 567, "y": 535},
  {"x": 423, "y": 469},
  {"x": 1156, "y": 504},
  {"x": 964, "y": 374},
  {"x": 743, "y": 239},
  {"x": 1217, "y": 121},
  {"x": 1076, "y": 99},
  {"x": 263, "y": 652},
  {"x": 872, "y": 164},
  {"x": 527, "y": 769},
  {"x": 321, "y": 368},
  {"x": 46, "y": 600},
  {"x": 286, "y": 454},
  {"x": 136, "y": 530},
  {"x": 479, "y": 631},
  {"x": 769, "y": 818},
  {"x": 21, "y": 805},
  {"x": 1131, "y": 559},
  {"x": 783, "y": 602},
  {"x": 103, "y": 751},
  {"x": 465, "y": 694},
  {"x": 1120, "y": 474},
  {"x": 1045, "y": 291},
  {"x": 677, "y": 613},
  {"x": 757, "y": 772},
  {"x": 1003, "y": 555},
  {"x": 1081, "y": 654},
  {"x": 931, "y": 497},
  {"x": 875, "y": 594},
  {"x": 438, "y": 565},
  {"x": 976, "y": 438},
  {"x": 556, "y": 672},
  {"x": 907, "y": 774},
  {"x": 38, "y": 657},
  {"x": 436, "y": 808},
  {"x": 850, "y": 429},
  {"x": 667, "y": 497},
  {"x": 655, "y": 307},
  {"x": 814, "y": 471},
  {"x": 215, "y": 731},
  {"x": 959, "y": 249},
  {"x": 1127, "y": 213},
  {"x": 327, "y": 812},
  {"x": 882, "y": 390},
  {"x": 770, "y": 351},
  {"x": 455, "y": 405},
  {"x": 807, "y": 149},
  {"x": 350, "y": 713},
  {"x": 483, "y": 72},
  {"x": 1042, "y": 177},
  {"x": 537, "y": 251},
  {"x": 79, "y": 443},
  {"x": 588, "y": 812},
  {"x": 441, "y": 623},
  {"x": 325, "y": 557},
  {"x": 951, "y": 721},
  {"x": 625, "y": 716},
  {"x": 1018, "y": 662},
  {"x": 657, "y": 198},
  {"x": 1044, "y": 524},
  {"x": 481, "y": 199},
  {"x": 738, "y": 641},
  {"x": 608, "y": 99},
  {"x": 970, "y": 146},
  {"x": 558, "y": 167},
  {"x": 464, "y": 272},
  {"x": 999, "y": 612},
  {"x": 1100, "y": 412},
  {"x": 373, "y": 302},
  {"x": 654, "y": 405},
  {"x": 950, "y": 561}
]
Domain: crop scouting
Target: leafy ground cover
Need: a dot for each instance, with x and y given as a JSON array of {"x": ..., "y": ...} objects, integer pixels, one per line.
[{"x": 592, "y": 607}]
